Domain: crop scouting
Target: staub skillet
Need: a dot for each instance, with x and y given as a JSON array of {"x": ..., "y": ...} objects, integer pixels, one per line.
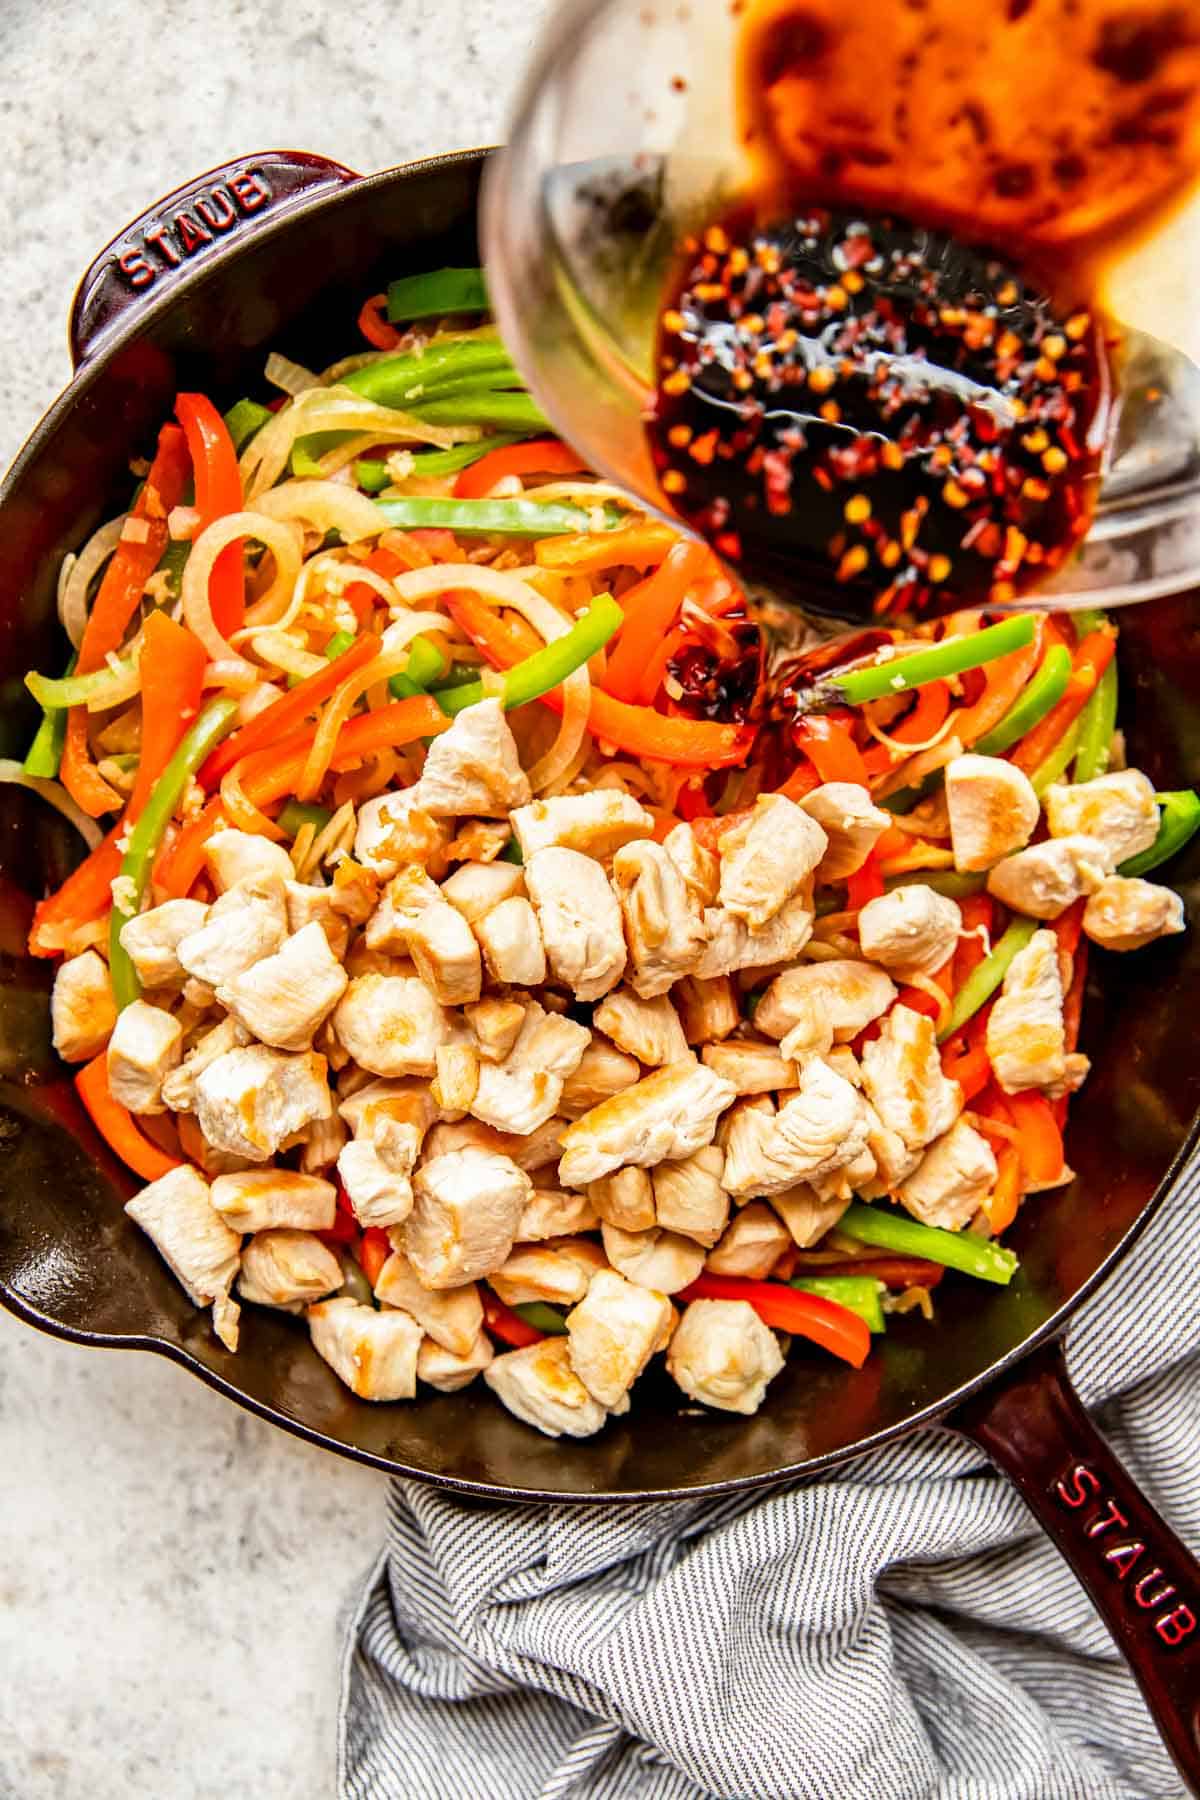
[{"x": 278, "y": 251}]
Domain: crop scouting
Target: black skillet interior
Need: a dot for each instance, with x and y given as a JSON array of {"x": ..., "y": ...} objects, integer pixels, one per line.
[{"x": 69, "y": 1259}]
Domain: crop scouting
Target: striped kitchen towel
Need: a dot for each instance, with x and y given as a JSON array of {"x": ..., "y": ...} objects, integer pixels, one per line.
[{"x": 899, "y": 1629}]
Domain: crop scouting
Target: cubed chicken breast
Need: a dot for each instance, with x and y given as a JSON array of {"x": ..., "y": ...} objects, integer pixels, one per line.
[
  {"x": 248, "y": 922},
  {"x": 151, "y": 941},
  {"x": 665, "y": 1261},
  {"x": 603, "y": 1070},
  {"x": 414, "y": 917},
  {"x": 952, "y": 1180},
  {"x": 647, "y": 1029},
  {"x": 447, "y": 1372},
  {"x": 580, "y": 920},
  {"x": 82, "y": 1009},
  {"x": 284, "y": 998},
  {"x": 249, "y": 1101},
  {"x": 199, "y": 1248},
  {"x": 612, "y": 1334},
  {"x": 1026, "y": 1035},
  {"x": 733, "y": 945},
  {"x": 496, "y": 1025},
  {"x": 808, "y": 1215},
  {"x": 1118, "y": 809},
  {"x": 457, "y": 1080},
  {"x": 466, "y": 1209},
  {"x": 554, "y": 1212},
  {"x": 689, "y": 1197},
  {"x": 902, "y": 1076},
  {"x": 752, "y": 1067},
  {"x": 661, "y": 1118},
  {"x": 474, "y": 768},
  {"x": 625, "y": 1199},
  {"x": 853, "y": 994},
  {"x": 391, "y": 1024},
  {"x": 288, "y": 1269},
  {"x": 394, "y": 1116},
  {"x": 476, "y": 887},
  {"x": 741, "y": 1134},
  {"x": 354, "y": 893},
  {"x": 1125, "y": 913},
  {"x": 539, "y": 1386},
  {"x": 396, "y": 831},
  {"x": 723, "y": 1355},
  {"x": 894, "y": 1161},
  {"x": 822, "y": 1128},
  {"x": 993, "y": 809},
  {"x": 146, "y": 1044},
  {"x": 768, "y": 858},
  {"x": 1047, "y": 878},
  {"x": 535, "y": 1272},
  {"x": 261, "y": 1199},
  {"x": 374, "y": 1353},
  {"x": 231, "y": 856},
  {"x": 511, "y": 941},
  {"x": 379, "y": 1194},
  {"x": 524, "y": 1090},
  {"x": 452, "y": 1317},
  {"x": 708, "y": 1010},
  {"x": 700, "y": 867},
  {"x": 309, "y": 905},
  {"x": 751, "y": 1244},
  {"x": 536, "y": 1151},
  {"x": 179, "y": 1087},
  {"x": 664, "y": 925},
  {"x": 851, "y": 821},
  {"x": 479, "y": 840},
  {"x": 596, "y": 824},
  {"x": 912, "y": 928},
  {"x": 323, "y": 1143}
]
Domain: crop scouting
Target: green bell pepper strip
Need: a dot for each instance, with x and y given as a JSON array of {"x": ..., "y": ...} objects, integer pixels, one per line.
[
  {"x": 547, "y": 667},
  {"x": 372, "y": 474},
  {"x": 495, "y": 518},
  {"x": 174, "y": 561},
  {"x": 425, "y": 664},
  {"x": 75, "y": 690},
  {"x": 542, "y": 1317},
  {"x": 45, "y": 753},
  {"x": 512, "y": 853},
  {"x": 341, "y": 640},
  {"x": 1097, "y": 723},
  {"x": 887, "y": 1230},
  {"x": 986, "y": 976},
  {"x": 483, "y": 405},
  {"x": 1180, "y": 821},
  {"x": 1045, "y": 690},
  {"x": 399, "y": 381},
  {"x": 243, "y": 419},
  {"x": 212, "y": 725},
  {"x": 922, "y": 666},
  {"x": 1058, "y": 761},
  {"x": 440, "y": 291},
  {"x": 857, "y": 1293},
  {"x": 951, "y": 882},
  {"x": 298, "y": 813}
]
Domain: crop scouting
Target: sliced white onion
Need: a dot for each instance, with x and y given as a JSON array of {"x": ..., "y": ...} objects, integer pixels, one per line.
[
  {"x": 277, "y": 537},
  {"x": 914, "y": 769},
  {"x": 411, "y": 625},
  {"x": 281, "y": 651},
  {"x": 74, "y": 582},
  {"x": 323, "y": 506},
  {"x": 335, "y": 409},
  {"x": 291, "y": 376},
  {"x": 55, "y": 795}
]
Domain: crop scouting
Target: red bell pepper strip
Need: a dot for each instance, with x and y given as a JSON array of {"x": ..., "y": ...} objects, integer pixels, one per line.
[
  {"x": 827, "y": 743},
  {"x": 865, "y": 884},
  {"x": 540, "y": 456},
  {"x": 1040, "y": 1146},
  {"x": 272, "y": 773},
  {"x": 284, "y": 715},
  {"x": 1003, "y": 1203},
  {"x": 373, "y": 323},
  {"x": 170, "y": 700},
  {"x": 893, "y": 1271},
  {"x": 179, "y": 864},
  {"x": 373, "y": 1250},
  {"x": 218, "y": 493},
  {"x": 361, "y": 596},
  {"x": 834, "y": 1327},
  {"x": 650, "y": 610},
  {"x": 116, "y": 1125},
  {"x": 84, "y": 895},
  {"x": 505, "y": 1324},
  {"x": 1087, "y": 665}
]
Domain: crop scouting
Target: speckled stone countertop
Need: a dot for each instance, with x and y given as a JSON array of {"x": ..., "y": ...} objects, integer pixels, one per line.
[{"x": 175, "y": 1576}]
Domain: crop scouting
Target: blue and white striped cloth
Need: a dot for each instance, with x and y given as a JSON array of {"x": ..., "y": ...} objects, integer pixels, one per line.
[{"x": 900, "y": 1629}]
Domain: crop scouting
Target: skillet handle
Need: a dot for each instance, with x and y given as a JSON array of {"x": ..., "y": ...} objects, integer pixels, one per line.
[
  {"x": 193, "y": 223},
  {"x": 1143, "y": 1581}
]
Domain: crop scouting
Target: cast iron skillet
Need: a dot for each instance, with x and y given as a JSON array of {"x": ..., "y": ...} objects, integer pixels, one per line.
[{"x": 278, "y": 251}]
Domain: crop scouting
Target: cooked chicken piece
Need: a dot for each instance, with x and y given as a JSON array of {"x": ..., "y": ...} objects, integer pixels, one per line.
[
  {"x": 284, "y": 998},
  {"x": 603, "y": 1071},
  {"x": 535, "y": 1151},
  {"x": 413, "y": 916},
  {"x": 812, "y": 1034},
  {"x": 664, "y": 925},
  {"x": 584, "y": 1252},
  {"x": 403, "y": 901},
  {"x": 579, "y": 918},
  {"x": 822, "y": 1129},
  {"x": 308, "y": 905},
  {"x": 82, "y": 1009},
  {"x": 474, "y": 767},
  {"x": 708, "y": 1010},
  {"x": 396, "y": 831},
  {"x": 853, "y": 993},
  {"x": 733, "y": 945},
  {"x": 145, "y": 1045},
  {"x": 539, "y": 1272},
  {"x": 447, "y": 1372},
  {"x": 457, "y": 1080},
  {"x": 151, "y": 940},
  {"x": 179, "y": 1088},
  {"x": 910, "y": 928},
  {"x": 751, "y": 1244},
  {"x": 355, "y": 891},
  {"x": 232, "y": 856},
  {"x": 851, "y": 821},
  {"x": 902, "y": 1075},
  {"x": 700, "y": 868},
  {"x": 595, "y": 824},
  {"x": 197, "y": 1149},
  {"x": 894, "y": 1161},
  {"x": 391, "y": 1024},
  {"x": 1047, "y": 878},
  {"x": 689, "y": 1197},
  {"x": 740, "y": 1134},
  {"x": 842, "y": 1058},
  {"x": 379, "y": 1194},
  {"x": 625, "y": 1199},
  {"x": 613, "y": 1333},
  {"x": 374, "y": 1353},
  {"x": 452, "y": 1317},
  {"x": 842, "y": 1184},
  {"x": 177, "y": 1215},
  {"x": 361, "y": 961},
  {"x": 993, "y": 809},
  {"x": 1118, "y": 809},
  {"x": 479, "y": 840},
  {"x": 1125, "y": 913},
  {"x": 248, "y": 1101},
  {"x": 552, "y": 1212},
  {"x": 226, "y": 1318},
  {"x": 524, "y": 1090},
  {"x": 663, "y": 1260},
  {"x": 476, "y": 887},
  {"x": 261, "y": 1199},
  {"x": 953, "y": 1179},
  {"x": 248, "y": 922},
  {"x": 393, "y": 1116},
  {"x": 467, "y": 1206},
  {"x": 752, "y": 1068},
  {"x": 647, "y": 1029},
  {"x": 1026, "y": 1036},
  {"x": 497, "y": 1025},
  {"x": 539, "y": 1385},
  {"x": 287, "y": 1268},
  {"x": 768, "y": 858},
  {"x": 323, "y": 1143},
  {"x": 663, "y": 1117},
  {"x": 723, "y": 1355},
  {"x": 806, "y": 1214},
  {"x": 511, "y": 941}
]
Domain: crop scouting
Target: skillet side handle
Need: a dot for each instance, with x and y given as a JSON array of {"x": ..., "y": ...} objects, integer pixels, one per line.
[
  {"x": 1143, "y": 1581},
  {"x": 188, "y": 226}
]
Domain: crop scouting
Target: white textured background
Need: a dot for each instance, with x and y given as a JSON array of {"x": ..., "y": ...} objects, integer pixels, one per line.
[{"x": 175, "y": 1575}]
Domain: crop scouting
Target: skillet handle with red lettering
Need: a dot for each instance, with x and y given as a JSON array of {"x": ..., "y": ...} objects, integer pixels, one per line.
[
  {"x": 1144, "y": 1582},
  {"x": 190, "y": 226}
]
